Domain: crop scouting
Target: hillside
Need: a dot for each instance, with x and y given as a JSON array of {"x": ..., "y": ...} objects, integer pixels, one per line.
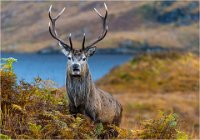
[
  {"x": 165, "y": 81},
  {"x": 168, "y": 24}
]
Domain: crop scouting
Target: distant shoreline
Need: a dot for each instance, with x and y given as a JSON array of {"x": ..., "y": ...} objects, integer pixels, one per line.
[{"x": 111, "y": 51}]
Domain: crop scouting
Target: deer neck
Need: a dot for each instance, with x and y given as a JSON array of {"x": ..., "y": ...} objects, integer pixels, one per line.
[{"x": 79, "y": 87}]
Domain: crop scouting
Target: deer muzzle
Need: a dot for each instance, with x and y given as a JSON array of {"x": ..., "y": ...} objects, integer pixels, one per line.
[{"x": 76, "y": 69}]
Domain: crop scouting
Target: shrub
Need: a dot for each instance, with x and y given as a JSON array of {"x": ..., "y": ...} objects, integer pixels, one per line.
[{"x": 40, "y": 111}]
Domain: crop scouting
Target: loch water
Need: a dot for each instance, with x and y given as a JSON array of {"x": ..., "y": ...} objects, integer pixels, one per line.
[{"x": 53, "y": 66}]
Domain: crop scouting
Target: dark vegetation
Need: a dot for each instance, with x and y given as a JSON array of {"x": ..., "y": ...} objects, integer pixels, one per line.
[
  {"x": 167, "y": 12},
  {"x": 38, "y": 110}
]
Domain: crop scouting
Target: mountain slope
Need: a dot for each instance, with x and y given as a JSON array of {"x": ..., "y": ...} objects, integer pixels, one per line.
[{"x": 167, "y": 24}]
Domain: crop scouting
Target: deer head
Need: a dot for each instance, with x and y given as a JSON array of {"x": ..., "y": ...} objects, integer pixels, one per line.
[{"x": 77, "y": 59}]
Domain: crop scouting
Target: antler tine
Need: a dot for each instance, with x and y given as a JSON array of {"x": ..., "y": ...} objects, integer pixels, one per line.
[
  {"x": 83, "y": 44},
  {"x": 53, "y": 31},
  {"x": 70, "y": 40},
  {"x": 98, "y": 12},
  {"x": 60, "y": 13},
  {"x": 105, "y": 27}
]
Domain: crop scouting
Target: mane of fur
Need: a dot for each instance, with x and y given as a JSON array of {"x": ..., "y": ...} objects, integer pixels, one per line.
[{"x": 78, "y": 87}]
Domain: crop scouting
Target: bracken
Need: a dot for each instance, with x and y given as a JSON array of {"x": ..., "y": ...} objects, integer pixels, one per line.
[{"x": 40, "y": 111}]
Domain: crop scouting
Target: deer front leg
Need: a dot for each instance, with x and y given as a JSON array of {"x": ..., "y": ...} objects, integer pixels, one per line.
[
  {"x": 72, "y": 109},
  {"x": 93, "y": 115},
  {"x": 81, "y": 109}
]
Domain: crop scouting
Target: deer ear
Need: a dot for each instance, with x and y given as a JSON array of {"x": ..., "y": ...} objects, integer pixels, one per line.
[
  {"x": 90, "y": 51},
  {"x": 63, "y": 50},
  {"x": 66, "y": 53}
]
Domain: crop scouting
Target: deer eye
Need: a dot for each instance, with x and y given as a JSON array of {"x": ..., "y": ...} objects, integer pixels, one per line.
[
  {"x": 84, "y": 59},
  {"x": 69, "y": 58}
]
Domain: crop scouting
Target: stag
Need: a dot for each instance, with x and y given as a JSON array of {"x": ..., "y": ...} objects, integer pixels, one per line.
[{"x": 84, "y": 96}]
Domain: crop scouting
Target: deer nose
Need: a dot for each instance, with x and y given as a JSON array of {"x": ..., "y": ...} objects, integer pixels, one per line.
[{"x": 75, "y": 66}]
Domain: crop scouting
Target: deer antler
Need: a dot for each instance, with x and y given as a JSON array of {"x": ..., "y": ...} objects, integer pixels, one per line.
[
  {"x": 104, "y": 32},
  {"x": 53, "y": 32}
]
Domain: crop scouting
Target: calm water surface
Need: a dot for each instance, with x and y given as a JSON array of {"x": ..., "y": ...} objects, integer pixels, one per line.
[{"x": 29, "y": 66}]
